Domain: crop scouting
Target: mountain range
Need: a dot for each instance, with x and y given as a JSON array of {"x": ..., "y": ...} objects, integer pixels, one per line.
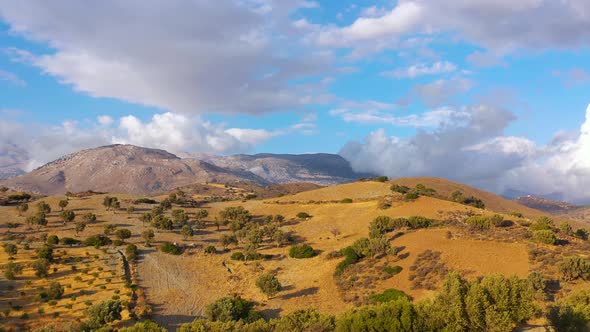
[{"x": 137, "y": 170}]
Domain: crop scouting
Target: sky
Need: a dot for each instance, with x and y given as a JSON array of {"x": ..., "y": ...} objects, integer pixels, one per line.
[{"x": 493, "y": 93}]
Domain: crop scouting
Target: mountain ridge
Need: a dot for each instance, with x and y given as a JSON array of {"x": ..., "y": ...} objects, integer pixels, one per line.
[{"x": 132, "y": 169}]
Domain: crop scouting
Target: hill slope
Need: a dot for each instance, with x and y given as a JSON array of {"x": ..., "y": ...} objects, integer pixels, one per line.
[
  {"x": 546, "y": 205},
  {"x": 493, "y": 202}
]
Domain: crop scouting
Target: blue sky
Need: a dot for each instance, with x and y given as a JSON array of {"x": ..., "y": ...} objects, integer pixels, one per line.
[{"x": 382, "y": 83}]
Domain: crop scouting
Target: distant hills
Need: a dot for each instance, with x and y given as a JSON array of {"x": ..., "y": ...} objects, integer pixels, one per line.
[{"x": 145, "y": 171}]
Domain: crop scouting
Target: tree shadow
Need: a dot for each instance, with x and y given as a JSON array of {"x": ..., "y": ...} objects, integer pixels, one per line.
[{"x": 303, "y": 292}]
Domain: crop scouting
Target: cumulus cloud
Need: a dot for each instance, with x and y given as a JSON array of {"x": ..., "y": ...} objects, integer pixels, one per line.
[
  {"x": 30, "y": 146},
  {"x": 439, "y": 67},
  {"x": 477, "y": 152},
  {"x": 565, "y": 24},
  {"x": 434, "y": 118},
  {"x": 437, "y": 93},
  {"x": 182, "y": 56}
]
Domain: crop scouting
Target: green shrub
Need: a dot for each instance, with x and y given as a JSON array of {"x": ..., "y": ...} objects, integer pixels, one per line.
[
  {"x": 350, "y": 257},
  {"x": 542, "y": 223},
  {"x": 574, "y": 267},
  {"x": 304, "y": 320},
  {"x": 411, "y": 196},
  {"x": 269, "y": 284},
  {"x": 238, "y": 256},
  {"x": 388, "y": 295},
  {"x": 103, "y": 313},
  {"x": 545, "y": 236},
  {"x": 392, "y": 270},
  {"x": 132, "y": 252},
  {"x": 582, "y": 233},
  {"x": 68, "y": 241},
  {"x": 303, "y": 215},
  {"x": 415, "y": 222},
  {"x": 346, "y": 200},
  {"x": 170, "y": 248},
  {"x": 480, "y": 223},
  {"x": 52, "y": 240},
  {"x": 302, "y": 251},
  {"x": 380, "y": 179},
  {"x": 210, "y": 250},
  {"x": 97, "y": 241},
  {"x": 231, "y": 308},
  {"x": 399, "y": 189},
  {"x": 145, "y": 201}
]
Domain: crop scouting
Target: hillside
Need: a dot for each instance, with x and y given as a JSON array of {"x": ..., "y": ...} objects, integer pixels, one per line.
[
  {"x": 492, "y": 202},
  {"x": 546, "y": 205},
  {"x": 178, "y": 288},
  {"x": 142, "y": 171}
]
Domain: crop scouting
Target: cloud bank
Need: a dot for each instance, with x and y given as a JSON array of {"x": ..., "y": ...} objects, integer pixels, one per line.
[{"x": 477, "y": 152}]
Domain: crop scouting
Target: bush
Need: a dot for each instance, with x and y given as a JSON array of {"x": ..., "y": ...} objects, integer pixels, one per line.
[
  {"x": 415, "y": 222},
  {"x": 52, "y": 240},
  {"x": 55, "y": 291},
  {"x": 399, "y": 316},
  {"x": 45, "y": 252},
  {"x": 304, "y": 320},
  {"x": 41, "y": 267},
  {"x": 516, "y": 214},
  {"x": 380, "y": 179},
  {"x": 380, "y": 225},
  {"x": 303, "y": 215},
  {"x": 350, "y": 257},
  {"x": 132, "y": 252},
  {"x": 392, "y": 270},
  {"x": 399, "y": 189},
  {"x": 103, "y": 313},
  {"x": 388, "y": 295},
  {"x": 480, "y": 223},
  {"x": 145, "y": 201},
  {"x": 498, "y": 221},
  {"x": 238, "y": 256},
  {"x": 302, "y": 251},
  {"x": 97, "y": 241},
  {"x": 123, "y": 233},
  {"x": 210, "y": 250},
  {"x": 269, "y": 284},
  {"x": 346, "y": 200},
  {"x": 545, "y": 236},
  {"x": 582, "y": 233},
  {"x": 227, "y": 309},
  {"x": 411, "y": 196},
  {"x": 574, "y": 267},
  {"x": 542, "y": 223},
  {"x": 68, "y": 241},
  {"x": 169, "y": 248},
  {"x": 145, "y": 326}
]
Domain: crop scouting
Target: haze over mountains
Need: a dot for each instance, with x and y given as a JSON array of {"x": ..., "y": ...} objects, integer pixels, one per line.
[{"x": 138, "y": 170}]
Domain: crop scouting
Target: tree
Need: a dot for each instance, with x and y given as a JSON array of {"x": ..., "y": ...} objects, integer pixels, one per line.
[
  {"x": 148, "y": 235},
  {"x": 67, "y": 216},
  {"x": 41, "y": 267},
  {"x": 574, "y": 267},
  {"x": 11, "y": 225},
  {"x": 236, "y": 217},
  {"x": 166, "y": 204},
  {"x": 109, "y": 229},
  {"x": 229, "y": 309},
  {"x": 146, "y": 217},
  {"x": 170, "y": 248},
  {"x": 582, "y": 233},
  {"x": 566, "y": 228},
  {"x": 132, "y": 252},
  {"x": 179, "y": 216},
  {"x": 55, "y": 291},
  {"x": 545, "y": 236},
  {"x": 103, "y": 313},
  {"x": 201, "y": 214},
  {"x": 11, "y": 270},
  {"x": 63, "y": 203},
  {"x": 269, "y": 284},
  {"x": 280, "y": 238},
  {"x": 123, "y": 234},
  {"x": 22, "y": 208},
  {"x": 45, "y": 252},
  {"x": 52, "y": 240},
  {"x": 89, "y": 218},
  {"x": 130, "y": 209},
  {"x": 11, "y": 249},
  {"x": 302, "y": 251},
  {"x": 186, "y": 231},
  {"x": 162, "y": 222},
  {"x": 80, "y": 227},
  {"x": 228, "y": 239},
  {"x": 43, "y": 207},
  {"x": 38, "y": 219},
  {"x": 380, "y": 226}
]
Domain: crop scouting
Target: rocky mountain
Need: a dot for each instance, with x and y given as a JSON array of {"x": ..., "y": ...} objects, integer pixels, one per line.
[
  {"x": 320, "y": 168},
  {"x": 546, "y": 205},
  {"x": 137, "y": 170},
  {"x": 8, "y": 172}
]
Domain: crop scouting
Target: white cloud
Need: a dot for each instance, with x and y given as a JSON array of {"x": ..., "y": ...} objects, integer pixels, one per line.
[
  {"x": 477, "y": 152},
  {"x": 33, "y": 145},
  {"x": 433, "y": 118},
  {"x": 177, "y": 55},
  {"x": 439, "y": 67},
  {"x": 11, "y": 78},
  {"x": 532, "y": 24},
  {"x": 437, "y": 93},
  {"x": 105, "y": 120}
]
